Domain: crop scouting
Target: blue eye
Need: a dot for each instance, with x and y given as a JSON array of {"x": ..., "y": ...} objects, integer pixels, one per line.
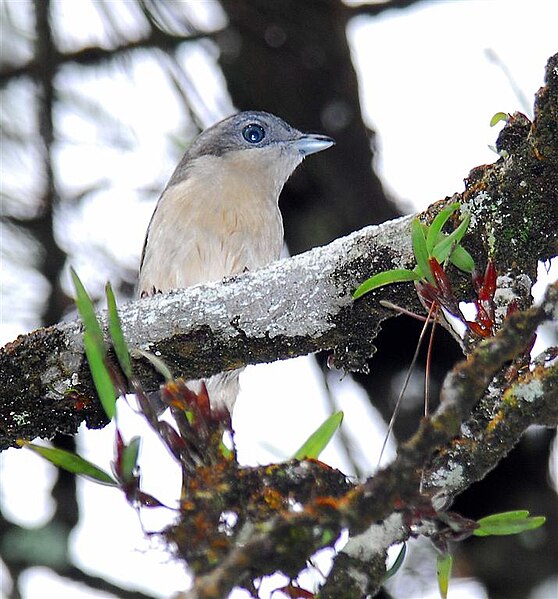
[{"x": 253, "y": 133}]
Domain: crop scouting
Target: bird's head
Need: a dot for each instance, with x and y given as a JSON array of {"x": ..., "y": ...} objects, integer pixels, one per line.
[{"x": 258, "y": 144}]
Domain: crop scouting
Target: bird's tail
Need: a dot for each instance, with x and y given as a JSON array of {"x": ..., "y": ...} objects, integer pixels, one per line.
[{"x": 222, "y": 388}]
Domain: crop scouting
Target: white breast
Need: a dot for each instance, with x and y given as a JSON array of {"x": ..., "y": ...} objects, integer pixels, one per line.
[{"x": 221, "y": 220}]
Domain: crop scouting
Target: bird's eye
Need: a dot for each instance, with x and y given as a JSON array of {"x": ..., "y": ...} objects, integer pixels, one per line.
[{"x": 253, "y": 133}]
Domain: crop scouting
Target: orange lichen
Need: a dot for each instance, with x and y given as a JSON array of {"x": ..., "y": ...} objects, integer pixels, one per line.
[{"x": 495, "y": 422}]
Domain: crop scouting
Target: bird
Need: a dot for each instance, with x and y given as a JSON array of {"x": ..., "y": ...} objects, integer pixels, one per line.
[{"x": 219, "y": 217}]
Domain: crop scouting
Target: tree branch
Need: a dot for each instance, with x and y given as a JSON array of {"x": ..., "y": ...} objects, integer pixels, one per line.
[
  {"x": 394, "y": 495},
  {"x": 486, "y": 436},
  {"x": 376, "y": 8},
  {"x": 303, "y": 304},
  {"x": 291, "y": 308},
  {"x": 95, "y": 55}
]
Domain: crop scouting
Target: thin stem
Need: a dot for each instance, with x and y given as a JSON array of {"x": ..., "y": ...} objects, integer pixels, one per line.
[
  {"x": 401, "y": 310},
  {"x": 429, "y": 360},
  {"x": 406, "y": 382}
]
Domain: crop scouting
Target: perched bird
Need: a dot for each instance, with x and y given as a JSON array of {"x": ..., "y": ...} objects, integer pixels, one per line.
[{"x": 219, "y": 214}]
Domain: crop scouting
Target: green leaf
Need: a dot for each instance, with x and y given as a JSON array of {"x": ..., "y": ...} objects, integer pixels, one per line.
[
  {"x": 461, "y": 258},
  {"x": 130, "y": 458},
  {"x": 508, "y": 523},
  {"x": 499, "y": 116},
  {"x": 100, "y": 374},
  {"x": 443, "y": 572},
  {"x": 419, "y": 249},
  {"x": 156, "y": 362},
  {"x": 386, "y": 277},
  {"x": 115, "y": 329},
  {"x": 86, "y": 310},
  {"x": 318, "y": 440},
  {"x": 95, "y": 348},
  {"x": 418, "y": 272},
  {"x": 397, "y": 563},
  {"x": 443, "y": 248},
  {"x": 437, "y": 224},
  {"x": 72, "y": 463}
]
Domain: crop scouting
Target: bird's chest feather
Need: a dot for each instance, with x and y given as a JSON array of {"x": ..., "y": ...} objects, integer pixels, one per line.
[{"x": 210, "y": 226}]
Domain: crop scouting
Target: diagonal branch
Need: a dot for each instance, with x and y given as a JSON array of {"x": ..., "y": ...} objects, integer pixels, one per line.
[
  {"x": 396, "y": 491},
  {"x": 485, "y": 437},
  {"x": 303, "y": 304}
]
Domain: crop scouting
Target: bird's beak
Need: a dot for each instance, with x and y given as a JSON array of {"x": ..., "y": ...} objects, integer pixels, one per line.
[{"x": 310, "y": 143}]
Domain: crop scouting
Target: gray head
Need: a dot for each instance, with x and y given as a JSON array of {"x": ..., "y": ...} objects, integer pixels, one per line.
[{"x": 252, "y": 131}]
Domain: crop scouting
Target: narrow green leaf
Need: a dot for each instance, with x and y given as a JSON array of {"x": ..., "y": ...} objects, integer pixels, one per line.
[
  {"x": 95, "y": 348},
  {"x": 156, "y": 362},
  {"x": 443, "y": 572},
  {"x": 397, "y": 563},
  {"x": 130, "y": 458},
  {"x": 72, "y": 463},
  {"x": 386, "y": 277},
  {"x": 318, "y": 440},
  {"x": 461, "y": 258},
  {"x": 86, "y": 310},
  {"x": 327, "y": 537},
  {"x": 437, "y": 224},
  {"x": 419, "y": 249},
  {"x": 505, "y": 516},
  {"x": 417, "y": 270},
  {"x": 499, "y": 116},
  {"x": 115, "y": 329},
  {"x": 100, "y": 374},
  {"x": 508, "y": 523},
  {"x": 443, "y": 248}
]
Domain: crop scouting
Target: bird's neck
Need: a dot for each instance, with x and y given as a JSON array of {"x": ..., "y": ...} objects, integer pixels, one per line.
[{"x": 243, "y": 178}]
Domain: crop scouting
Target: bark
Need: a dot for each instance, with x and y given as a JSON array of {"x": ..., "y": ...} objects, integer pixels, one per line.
[
  {"x": 392, "y": 505},
  {"x": 486, "y": 435},
  {"x": 303, "y": 304},
  {"x": 291, "y": 308}
]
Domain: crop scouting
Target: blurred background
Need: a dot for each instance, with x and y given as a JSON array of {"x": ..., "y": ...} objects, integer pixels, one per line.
[{"x": 98, "y": 101}]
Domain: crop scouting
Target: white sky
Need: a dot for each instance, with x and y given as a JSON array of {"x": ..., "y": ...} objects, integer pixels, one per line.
[{"x": 429, "y": 91}]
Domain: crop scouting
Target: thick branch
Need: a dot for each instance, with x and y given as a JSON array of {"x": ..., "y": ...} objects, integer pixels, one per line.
[
  {"x": 303, "y": 304},
  {"x": 398, "y": 486},
  {"x": 291, "y": 308}
]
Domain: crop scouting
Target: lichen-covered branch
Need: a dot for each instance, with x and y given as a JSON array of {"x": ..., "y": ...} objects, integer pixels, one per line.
[
  {"x": 291, "y": 308},
  {"x": 393, "y": 504},
  {"x": 484, "y": 437},
  {"x": 303, "y": 304}
]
